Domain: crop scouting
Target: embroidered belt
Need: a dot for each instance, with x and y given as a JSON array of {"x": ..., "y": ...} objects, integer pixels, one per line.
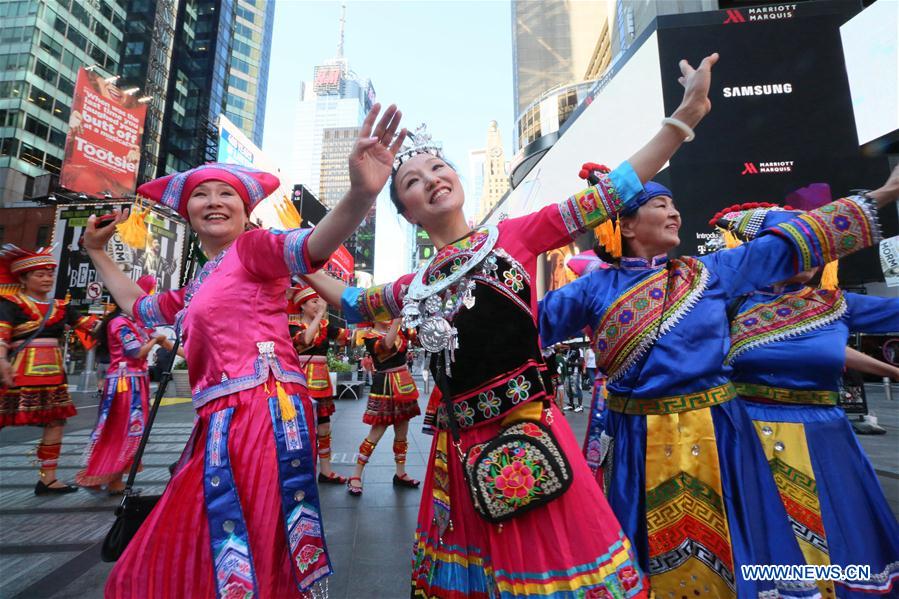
[
  {"x": 39, "y": 342},
  {"x": 790, "y": 396},
  {"x": 672, "y": 404},
  {"x": 267, "y": 362},
  {"x": 391, "y": 370}
]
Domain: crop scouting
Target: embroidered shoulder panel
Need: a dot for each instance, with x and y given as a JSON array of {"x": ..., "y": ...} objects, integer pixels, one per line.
[
  {"x": 628, "y": 327},
  {"x": 784, "y": 317},
  {"x": 33, "y": 314}
]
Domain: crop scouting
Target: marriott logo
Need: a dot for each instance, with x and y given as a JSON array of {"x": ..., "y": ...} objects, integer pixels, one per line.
[
  {"x": 752, "y": 168},
  {"x": 761, "y": 13}
]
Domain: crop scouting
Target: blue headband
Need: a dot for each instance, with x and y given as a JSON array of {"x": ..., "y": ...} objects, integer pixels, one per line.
[{"x": 650, "y": 190}]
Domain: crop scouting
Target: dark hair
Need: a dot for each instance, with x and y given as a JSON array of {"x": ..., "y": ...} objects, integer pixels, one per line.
[
  {"x": 100, "y": 333},
  {"x": 394, "y": 192}
]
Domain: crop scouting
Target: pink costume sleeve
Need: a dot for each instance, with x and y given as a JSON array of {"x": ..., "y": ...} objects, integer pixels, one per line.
[
  {"x": 273, "y": 254},
  {"x": 558, "y": 224},
  {"x": 159, "y": 309}
]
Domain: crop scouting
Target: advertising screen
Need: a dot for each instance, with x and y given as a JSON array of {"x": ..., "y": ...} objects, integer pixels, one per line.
[
  {"x": 102, "y": 149},
  {"x": 871, "y": 49},
  {"x": 162, "y": 256}
]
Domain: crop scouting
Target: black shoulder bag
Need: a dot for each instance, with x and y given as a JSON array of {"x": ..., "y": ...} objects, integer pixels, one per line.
[{"x": 135, "y": 507}]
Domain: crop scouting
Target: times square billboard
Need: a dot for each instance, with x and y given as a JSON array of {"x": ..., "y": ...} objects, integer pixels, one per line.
[
  {"x": 782, "y": 118},
  {"x": 102, "y": 150}
]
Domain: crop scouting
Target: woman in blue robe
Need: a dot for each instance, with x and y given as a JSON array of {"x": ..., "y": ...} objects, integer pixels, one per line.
[
  {"x": 788, "y": 353},
  {"x": 689, "y": 482}
]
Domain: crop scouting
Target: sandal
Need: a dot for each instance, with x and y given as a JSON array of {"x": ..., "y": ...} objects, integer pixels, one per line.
[
  {"x": 354, "y": 491},
  {"x": 331, "y": 479},
  {"x": 405, "y": 481}
]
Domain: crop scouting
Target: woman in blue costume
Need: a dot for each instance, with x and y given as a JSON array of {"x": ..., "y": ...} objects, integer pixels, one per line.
[
  {"x": 787, "y": 353},
  {"x": 689, "y": 482}
]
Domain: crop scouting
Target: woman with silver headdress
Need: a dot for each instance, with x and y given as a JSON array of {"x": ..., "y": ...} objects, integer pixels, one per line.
[{"x": 509, "y": 507}]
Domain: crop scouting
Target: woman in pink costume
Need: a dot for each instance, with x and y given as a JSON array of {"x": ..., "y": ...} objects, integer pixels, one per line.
[
  {"x": 240, "y": 517},
  {"x": 125, "y": 401}
]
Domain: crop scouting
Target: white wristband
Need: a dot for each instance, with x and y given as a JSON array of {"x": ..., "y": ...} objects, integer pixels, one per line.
[{"x": 679, "y": 124}]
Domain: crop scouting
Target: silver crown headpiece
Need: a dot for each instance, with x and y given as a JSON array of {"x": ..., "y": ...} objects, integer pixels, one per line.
[{"x": 421, "y": 144}]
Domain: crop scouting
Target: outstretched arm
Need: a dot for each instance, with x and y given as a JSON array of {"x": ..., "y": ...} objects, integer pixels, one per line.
[
  {"x": 370, "y": 164},
  {"x": 329, "y": 288},
  {"x": 856, "y": 360}
]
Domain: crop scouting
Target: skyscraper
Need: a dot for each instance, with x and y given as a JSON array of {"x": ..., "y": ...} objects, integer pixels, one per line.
[
  {"x": 552, "y": 44},
  {"x": 331, "y": 109},
  {"x": 336, "y": 98},
  {"x": 496, "y": 179},
  {"x": 219, "y": 65},
  {"x": 43, "y": 46}
]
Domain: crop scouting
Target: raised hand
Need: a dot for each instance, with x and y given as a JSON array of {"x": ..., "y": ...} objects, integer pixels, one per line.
[
  {"x": 696, "y": 82},
  {"x": 97, "y": 238},
  {"x": 372, "y": 157}
]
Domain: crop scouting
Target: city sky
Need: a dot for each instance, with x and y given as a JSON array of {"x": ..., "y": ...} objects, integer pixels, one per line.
[{"x": 448, "y": 64}]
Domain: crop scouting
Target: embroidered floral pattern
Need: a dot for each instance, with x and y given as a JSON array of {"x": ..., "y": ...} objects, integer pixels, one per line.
[
  {"x": 513, "y": 279},
  {"x": 518, "y": 389},
  {"x": 488, "y": 404},
  {"x": 515, "y": 481},
  {"x": 600, "y": 592},
  {"x": 307, "y": 556},
  {"x": 236, "y": 590},
  {"x": 464, "y": 414}
]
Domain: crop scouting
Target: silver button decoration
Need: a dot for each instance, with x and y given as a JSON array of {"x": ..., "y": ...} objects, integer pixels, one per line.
[
  {"x": 298, "y": 496},
  {"x": 295, "y": 462},
  {"x": 779, "y": 446},
  {"x": 766, "y": 430},
  {"x": 214, "y": 481},
  {"x": 695, "y": 450},
  {"x": 228, "y": 526}
]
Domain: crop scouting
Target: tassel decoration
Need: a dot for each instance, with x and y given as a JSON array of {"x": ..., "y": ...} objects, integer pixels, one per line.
[
  {"x": 730, "y": 240},
  {"x": 608, "y": 235},
  {"x": 829, "y": 276},
  {"x": 133, "y": 231},
  {"x": 288, "y": 411}
]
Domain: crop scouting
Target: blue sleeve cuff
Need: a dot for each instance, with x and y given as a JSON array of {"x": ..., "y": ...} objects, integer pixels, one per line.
[
  {"x": 626, "y": 182},
  {"x": 349, "y": 303}
]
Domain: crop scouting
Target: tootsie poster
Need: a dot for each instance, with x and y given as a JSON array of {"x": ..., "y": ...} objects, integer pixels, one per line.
[{"x": 103, "y": 144}]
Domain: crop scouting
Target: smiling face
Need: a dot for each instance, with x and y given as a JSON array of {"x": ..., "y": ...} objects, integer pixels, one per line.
[
  {"x": 217, "y": 213},
  {"x": 38, "y": 282},
  {"x": 429, "y": 190},
  {"x": 654, "y": 228}
]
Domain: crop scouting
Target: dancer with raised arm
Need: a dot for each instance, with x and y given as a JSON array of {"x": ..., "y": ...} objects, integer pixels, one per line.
[
  {"x": 509, "y": 508},
  {"x": 689, "y": 481},
  {"x": 241, "y": 517}
]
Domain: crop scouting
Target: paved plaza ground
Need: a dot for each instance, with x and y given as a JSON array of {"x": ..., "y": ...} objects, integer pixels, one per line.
[{"x": 50, "y": 547}]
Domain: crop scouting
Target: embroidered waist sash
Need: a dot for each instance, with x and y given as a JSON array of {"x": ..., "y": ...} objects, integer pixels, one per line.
[
  {"x": 672, "y": 404},
  {"x": 789, "y": 396}
]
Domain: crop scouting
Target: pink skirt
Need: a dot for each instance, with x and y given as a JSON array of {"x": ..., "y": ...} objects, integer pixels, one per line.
[
  {"x": 171, "y": 555},
  {"x": 120, "y": 424},
  {"x": 573, "y": 546}
]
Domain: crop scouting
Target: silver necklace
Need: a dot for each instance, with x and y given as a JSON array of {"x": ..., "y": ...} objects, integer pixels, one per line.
[{"x": 429, "y": 307}]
